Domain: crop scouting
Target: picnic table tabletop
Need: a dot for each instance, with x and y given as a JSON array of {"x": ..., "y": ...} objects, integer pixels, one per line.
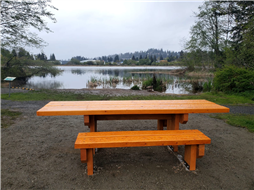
[{"x": 57, "y": 108}]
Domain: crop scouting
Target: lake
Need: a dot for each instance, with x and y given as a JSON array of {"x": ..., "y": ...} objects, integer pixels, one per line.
[{"x": 78, "y": 77}]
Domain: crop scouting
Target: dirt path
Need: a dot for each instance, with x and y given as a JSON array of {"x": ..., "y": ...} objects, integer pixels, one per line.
[{"x": 38, "y": 153}]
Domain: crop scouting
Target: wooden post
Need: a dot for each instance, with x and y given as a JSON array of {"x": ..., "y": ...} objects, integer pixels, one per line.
[
  {"x": 90, "y": 161},
  {"x": 201, "y": 151},
  {"x": 86, "y": 120},
  {"x": 184, "y": 118},
  {"x": 160, "y": 124},
  {"x": 93, "y": 126},
  {"x": 173, "y": 124},
  {"x": 83, "y": 155},
  {"x": 190, "y": 156}
]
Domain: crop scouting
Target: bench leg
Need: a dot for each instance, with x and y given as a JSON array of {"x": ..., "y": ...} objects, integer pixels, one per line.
[
  {"x": 83, "y": 155},
  {"x": 173, "y": 124},
  {"x": 190, "y": 156},
  {"x": 90, "y": 161}
]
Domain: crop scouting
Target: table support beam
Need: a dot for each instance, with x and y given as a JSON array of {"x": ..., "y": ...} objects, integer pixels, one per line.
[{"x": 173, "y": 124}]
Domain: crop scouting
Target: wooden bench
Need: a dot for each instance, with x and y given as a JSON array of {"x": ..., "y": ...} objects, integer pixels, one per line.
[{"x": 194, "y": 142}]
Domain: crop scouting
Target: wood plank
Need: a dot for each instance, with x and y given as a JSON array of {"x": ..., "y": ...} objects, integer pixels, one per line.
[
  {"x": 133, "y": 133},
  {"x": 133, "y": 117},
  {"x": 130, "y": 107},
  {"x": 129, "y": 140}
]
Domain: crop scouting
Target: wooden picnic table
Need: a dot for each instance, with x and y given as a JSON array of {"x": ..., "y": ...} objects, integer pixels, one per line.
[{"x": 168, "y": 113}]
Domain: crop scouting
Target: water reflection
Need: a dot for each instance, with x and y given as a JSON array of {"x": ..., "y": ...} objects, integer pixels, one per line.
[
  {"x": 45, "y": 85},
  {"x": 110, "y": 77}
]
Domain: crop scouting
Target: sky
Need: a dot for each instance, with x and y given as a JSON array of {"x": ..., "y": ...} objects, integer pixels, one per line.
[{"x": 93, "y": 28}]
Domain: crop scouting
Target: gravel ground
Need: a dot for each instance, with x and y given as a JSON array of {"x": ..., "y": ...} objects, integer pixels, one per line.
[{"x": 38, "y": 153}]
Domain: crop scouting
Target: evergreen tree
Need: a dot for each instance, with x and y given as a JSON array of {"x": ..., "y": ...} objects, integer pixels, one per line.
[{"x": 116, "y": 59}]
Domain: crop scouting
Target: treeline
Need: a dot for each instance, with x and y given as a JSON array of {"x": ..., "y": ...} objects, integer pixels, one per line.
[
  {"x": 149, "y": 57},
  {"x": 17, "y": 63},
  {"x": 22, "y": 53},
  {"x": 222, "y": 39}
]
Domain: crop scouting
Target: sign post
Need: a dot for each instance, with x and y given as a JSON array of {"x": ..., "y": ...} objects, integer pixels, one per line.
[{"x": 9, "y": 79}]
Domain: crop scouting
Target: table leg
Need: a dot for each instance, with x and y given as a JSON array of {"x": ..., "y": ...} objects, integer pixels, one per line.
[
  {"x": 93, "y": 126},
  {"x": 173, "y": 124},
  {"x": 160, "y": 124},
  {"x": 90, "y": 161}
]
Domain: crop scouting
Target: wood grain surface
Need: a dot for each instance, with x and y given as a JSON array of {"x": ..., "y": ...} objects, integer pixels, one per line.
[{"x": 55, "y": 108}]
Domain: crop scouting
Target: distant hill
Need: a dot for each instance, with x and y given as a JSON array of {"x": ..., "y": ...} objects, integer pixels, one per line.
[
  {"x": 149, "y": 52},
  {"x": 159, "y": 53}
]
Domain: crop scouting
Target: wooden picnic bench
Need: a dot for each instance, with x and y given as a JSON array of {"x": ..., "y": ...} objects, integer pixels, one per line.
[
  {"x": 168, "y": 113},
  {"x": 194, "y": 142}
]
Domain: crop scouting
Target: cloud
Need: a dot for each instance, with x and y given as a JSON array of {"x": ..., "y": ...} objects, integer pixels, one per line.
[{"x": 97, "y": 28}]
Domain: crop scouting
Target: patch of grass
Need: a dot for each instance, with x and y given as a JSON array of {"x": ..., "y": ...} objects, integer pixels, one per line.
[
  {"x": 219, "y": 98},
  {"x": 8, "y": 117},
  {"x": 238, "y": 120}
]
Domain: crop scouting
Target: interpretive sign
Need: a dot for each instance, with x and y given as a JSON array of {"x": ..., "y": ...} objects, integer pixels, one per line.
[{"x": 9, "y": 79}]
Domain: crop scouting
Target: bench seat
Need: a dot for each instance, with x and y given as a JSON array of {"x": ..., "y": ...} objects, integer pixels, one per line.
[{"x": 194, "y": 142}]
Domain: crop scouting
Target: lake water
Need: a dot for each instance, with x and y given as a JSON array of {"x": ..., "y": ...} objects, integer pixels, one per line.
[{"x": 74, "y": 77}]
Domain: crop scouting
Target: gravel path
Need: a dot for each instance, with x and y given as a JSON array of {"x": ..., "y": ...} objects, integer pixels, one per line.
[{"x": 38, "y": 153}]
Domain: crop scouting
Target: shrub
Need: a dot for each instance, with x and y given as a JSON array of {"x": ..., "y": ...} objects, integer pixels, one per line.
[
  {"x": 135, "y": 87},
  {"x": 234, "y": 79},
  {"x": 207, "y": 87}
]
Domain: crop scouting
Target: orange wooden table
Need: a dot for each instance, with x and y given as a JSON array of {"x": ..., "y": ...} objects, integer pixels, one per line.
[{"x": 169, "y": 113}]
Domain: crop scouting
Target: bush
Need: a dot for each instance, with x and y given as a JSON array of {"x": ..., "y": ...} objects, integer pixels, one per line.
[
  {"x": 135, "y": 87},
  {"x": 234, "y": 79},
  {"x": 207, "y": 87}
]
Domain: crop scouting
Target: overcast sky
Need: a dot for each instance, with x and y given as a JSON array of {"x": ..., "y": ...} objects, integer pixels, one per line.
[{"x": 97, "y": 28}]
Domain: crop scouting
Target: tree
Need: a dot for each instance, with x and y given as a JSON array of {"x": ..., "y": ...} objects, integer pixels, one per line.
[
  {"x": 140, "y": 57},
  {"x": 209, "y": 32},
  {"x": 133, "y": 58},
  {"x": 116, "y": 59},
  {"x": 52, "y": 57},
  {"x": 19, "y": 15}
]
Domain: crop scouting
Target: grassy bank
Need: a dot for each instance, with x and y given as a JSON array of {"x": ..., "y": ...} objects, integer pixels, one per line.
[
  {"x": 219, "y": 98},
  {"x": 238, "y": 120}
]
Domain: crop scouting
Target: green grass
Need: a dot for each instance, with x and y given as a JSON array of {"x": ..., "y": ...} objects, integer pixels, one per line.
[
  {"x": 219, "y": 98},
  {"x": 238, "y": 120},
  {"x": 8, "y": 117}
]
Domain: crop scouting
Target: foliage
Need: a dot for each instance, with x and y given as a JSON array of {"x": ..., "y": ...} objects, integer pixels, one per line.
[
  {"x": 234, "y": 79},
  {"x": 207, "y": 87},
  {"x": 155, "y": 83},
  {"x": 238, "y": 120},
  {"x": 135, "y": 87},
  {"x": 22, "y": 67},
  {"x": 17, "y": 16}
]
